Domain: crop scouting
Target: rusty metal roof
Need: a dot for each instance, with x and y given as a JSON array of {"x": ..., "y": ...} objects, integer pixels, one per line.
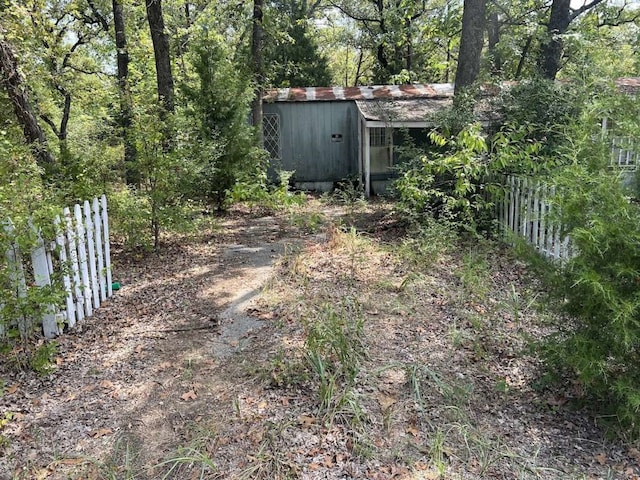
[
  {"x": 396, "y": 92},
  {"x": 629, "y": 85}
]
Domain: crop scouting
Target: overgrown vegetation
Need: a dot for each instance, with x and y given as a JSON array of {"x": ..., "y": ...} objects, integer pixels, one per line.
[{"x": 552, "y": 133}]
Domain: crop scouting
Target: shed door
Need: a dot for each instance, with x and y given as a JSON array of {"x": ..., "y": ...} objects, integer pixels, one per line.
[{"x": 381, "y": 149}]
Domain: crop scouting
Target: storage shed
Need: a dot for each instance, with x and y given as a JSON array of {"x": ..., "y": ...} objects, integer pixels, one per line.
[{"x": 327, "y": 135}]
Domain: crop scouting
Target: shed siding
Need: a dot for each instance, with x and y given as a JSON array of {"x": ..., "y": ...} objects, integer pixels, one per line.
[{"x": 306, "y": 139}]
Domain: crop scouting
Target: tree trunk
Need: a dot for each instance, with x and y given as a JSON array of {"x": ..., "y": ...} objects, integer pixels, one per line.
[
  {"x": 409, "y": 63},
  {"x": 471, "y": 43},
  {"x": 16, "y": 90},
  {"x": 551, "y": 50},
  {"x": 161, "y": 53},
  {"x": 132, "y": 174},
  {"x": 356, "y": 80},
  {"x": 523, "y": 57},
  {"x": 493, "y": 36},
  {"x": 258, "y": 67},
  {"x": 61, "y": 132}
]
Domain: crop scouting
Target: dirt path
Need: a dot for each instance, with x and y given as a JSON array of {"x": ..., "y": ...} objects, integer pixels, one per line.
[{"x": 152, "y": 361}]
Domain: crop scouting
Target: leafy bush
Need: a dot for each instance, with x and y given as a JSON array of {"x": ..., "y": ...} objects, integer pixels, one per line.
[
  {"x": 256, "y": 191},
  {"x": 447, "y": 185},
  {"x": 599, "y": 291},
  {"x": 544, "y": 107},
  {"x": 25, "y": 204}
]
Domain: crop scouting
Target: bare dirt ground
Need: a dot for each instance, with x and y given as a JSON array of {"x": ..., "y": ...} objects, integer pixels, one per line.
[{"x": 296, "y": 346}]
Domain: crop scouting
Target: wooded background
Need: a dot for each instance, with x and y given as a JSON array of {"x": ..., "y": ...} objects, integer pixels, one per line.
[{"x": 149, "y": 100}]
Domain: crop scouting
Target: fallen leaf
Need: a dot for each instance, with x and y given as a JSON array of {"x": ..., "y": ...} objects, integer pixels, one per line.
[
  {"x": 557, "y": 401},
  {"x": 101, "y": 432},
  {"x": 190, "y": 395},
  {"x": 386, "y": 401},
  {"x": 413, "y": 431},
  {"x": 12, "y": 389},
  {"x": 601, "y": 458},
  {"x": 59, "y": 361},
  {"x": 42, "y": 474},
  {"x": 106, "y": 384},
  {"x": 306, "y": 421},
  {"x": 635, "y": 454}
]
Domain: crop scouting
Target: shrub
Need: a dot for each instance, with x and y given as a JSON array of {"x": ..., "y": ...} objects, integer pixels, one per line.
[
  {"x": 453, "y": 186},
  {"x": 25, "y": 204},
  {"x": 599, "y": 291}
]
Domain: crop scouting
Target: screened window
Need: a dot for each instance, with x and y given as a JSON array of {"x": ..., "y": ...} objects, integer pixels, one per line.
[{"x": 379, "y": 137}]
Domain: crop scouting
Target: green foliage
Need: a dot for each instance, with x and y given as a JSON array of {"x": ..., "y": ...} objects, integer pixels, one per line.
[
  {"x": 459, "y": 178},
  {"x": 426, "y": 243},
  {"x": 27, "y": 203},
  {"x": 161, "y": 169},
  {"x": 255, "y": 190},
  {"x": 448, "y": 185},
  {"x": 291, "y": 54},
  {"x": 223, "y": 147},
  {"x": 544, "y": 108},
  {"x": 42, "y": 360},
  {"x": 598, "y": 290},
  {"x": 129, "y": 218}
]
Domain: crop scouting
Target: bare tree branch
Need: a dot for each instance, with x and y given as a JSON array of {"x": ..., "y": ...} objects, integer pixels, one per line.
[{"x": 575, "y": 13}]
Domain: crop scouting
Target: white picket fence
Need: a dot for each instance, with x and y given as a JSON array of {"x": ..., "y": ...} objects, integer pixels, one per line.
[
  {"x": 79, "y": 255},
  {"x": 624, "y": 154},
  {"x": 526, "y": 212}
]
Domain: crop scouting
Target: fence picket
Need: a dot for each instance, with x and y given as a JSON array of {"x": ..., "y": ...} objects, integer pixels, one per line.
[
  {"x": 42, "y": 278},
  {"x": 97, "y": 222},
  {"x": 75, "y": 268},
  {"x": 85, "y": 282},
  {"x": 512, "y": 204},
  {"x": 16, "y": 276},
  {"x": 107, "y": 246},
  {"x": 66, "y": 278},
  {"x": 91, "y": 250},
  {"x": 535, "y": 215}
]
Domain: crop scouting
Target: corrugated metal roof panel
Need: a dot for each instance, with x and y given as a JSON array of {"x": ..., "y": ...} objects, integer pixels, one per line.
[
  {"x": 318, "y": 94},
  {"x": 398, "y": 92}
]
